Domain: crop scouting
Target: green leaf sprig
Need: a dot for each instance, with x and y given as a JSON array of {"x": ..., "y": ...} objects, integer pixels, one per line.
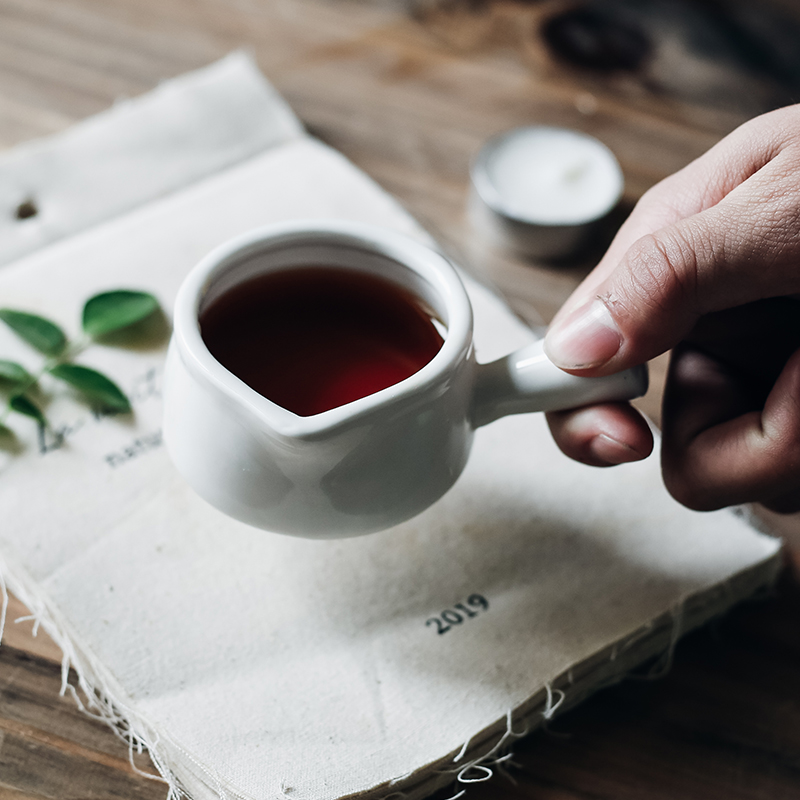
[{"x": 103, "y": 314}]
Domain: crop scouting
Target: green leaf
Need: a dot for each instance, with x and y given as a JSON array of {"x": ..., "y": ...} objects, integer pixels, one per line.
[
  {"x": 11, "y": 372},
  {"x": 37, "y": 331},
  {"x": 22, "y": 405},
  {"x": 93, "y": 384},
  {"x": 111, "y": 311}
]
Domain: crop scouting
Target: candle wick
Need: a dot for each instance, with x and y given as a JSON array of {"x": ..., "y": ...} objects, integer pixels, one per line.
[{"x": 576, "y": 171}]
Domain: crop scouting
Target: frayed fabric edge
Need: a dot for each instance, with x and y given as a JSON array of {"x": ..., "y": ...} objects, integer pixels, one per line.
[
  {"x": 95, "y": 697},
  {"x": 682, "y": 617},
  {"x": 139, "y": 735}
]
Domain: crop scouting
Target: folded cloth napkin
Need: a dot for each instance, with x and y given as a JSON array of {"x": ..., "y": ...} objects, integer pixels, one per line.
[{"x": 256, "y": 665}]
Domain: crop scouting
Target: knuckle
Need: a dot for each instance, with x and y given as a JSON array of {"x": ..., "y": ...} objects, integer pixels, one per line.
[
  {"x": 662, "y": 274},
  {"x": 775, "y": 238}
]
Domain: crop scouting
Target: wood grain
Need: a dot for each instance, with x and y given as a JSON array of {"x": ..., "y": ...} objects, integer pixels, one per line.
[
  {"x": 410, "y": 98},
  {"x": 49, "y": 748}
]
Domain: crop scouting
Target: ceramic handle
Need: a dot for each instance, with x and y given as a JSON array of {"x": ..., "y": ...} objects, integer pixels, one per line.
[{"x": 527, "y": 381}]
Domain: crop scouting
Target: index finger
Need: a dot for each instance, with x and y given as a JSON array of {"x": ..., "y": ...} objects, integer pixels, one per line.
[{"x": 698, "y": 186}]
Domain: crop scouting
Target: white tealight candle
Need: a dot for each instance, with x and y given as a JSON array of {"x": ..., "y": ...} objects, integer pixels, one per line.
[{"x": 545, "y": 188}]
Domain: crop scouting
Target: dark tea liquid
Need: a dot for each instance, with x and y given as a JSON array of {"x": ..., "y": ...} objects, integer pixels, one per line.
[{"x": 310, "y": 339}]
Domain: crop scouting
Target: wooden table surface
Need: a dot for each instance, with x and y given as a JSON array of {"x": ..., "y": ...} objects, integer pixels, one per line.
[{"x": 409, "y": 91}]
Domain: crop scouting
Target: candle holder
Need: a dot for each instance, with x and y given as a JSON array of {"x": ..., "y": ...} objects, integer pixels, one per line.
[{"x": 544, "y": 191}]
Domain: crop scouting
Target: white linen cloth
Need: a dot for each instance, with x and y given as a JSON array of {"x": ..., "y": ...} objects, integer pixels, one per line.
[{"x": 255, "y": 665}]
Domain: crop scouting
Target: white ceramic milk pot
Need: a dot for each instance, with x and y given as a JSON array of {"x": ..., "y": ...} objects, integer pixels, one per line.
[{"x": 373, "y": 462}]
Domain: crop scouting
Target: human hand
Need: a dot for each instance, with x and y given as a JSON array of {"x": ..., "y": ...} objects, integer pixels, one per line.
[{"x": 708, "y": 263}]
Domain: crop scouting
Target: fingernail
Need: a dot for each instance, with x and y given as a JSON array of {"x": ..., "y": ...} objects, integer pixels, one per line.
[
  {"x": 588, "y": 337},
  {"x": 613, "y": 452}
]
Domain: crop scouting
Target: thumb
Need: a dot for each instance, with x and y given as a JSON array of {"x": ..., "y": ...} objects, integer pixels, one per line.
[{"x": 733, "y": 253}]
